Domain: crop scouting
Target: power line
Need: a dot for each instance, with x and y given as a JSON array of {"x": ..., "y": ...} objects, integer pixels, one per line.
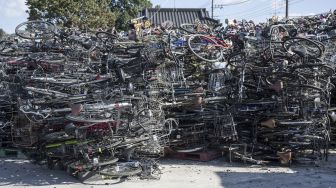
[
  {"x": 229, "y": 4},
  {"x": 262, "y": 9},
  {"x": 254, "y": 7},
  {"x": 266, "y": 10},
  {"x": 251, "y": 12},
  {"x": 213, "y": 6}
]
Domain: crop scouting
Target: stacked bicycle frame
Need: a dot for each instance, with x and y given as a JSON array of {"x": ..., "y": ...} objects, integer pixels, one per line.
[{"x": 101, "y": 105}]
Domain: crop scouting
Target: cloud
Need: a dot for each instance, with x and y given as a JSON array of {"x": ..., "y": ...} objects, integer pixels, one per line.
[{"x": 12, "y": 8}]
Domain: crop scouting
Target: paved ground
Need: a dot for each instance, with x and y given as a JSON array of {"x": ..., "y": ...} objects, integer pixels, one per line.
[{"x": 218, "y": 173}]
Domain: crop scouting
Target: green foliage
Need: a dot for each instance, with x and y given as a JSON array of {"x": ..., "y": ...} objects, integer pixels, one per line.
[
  {"x": 127, "y": 10},
  {"x": 84, "y": 14}
]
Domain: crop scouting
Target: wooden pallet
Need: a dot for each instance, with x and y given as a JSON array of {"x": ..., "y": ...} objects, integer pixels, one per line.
[
  {"x": 11, "y": 153},
  {"x": 204, "y": 155}
]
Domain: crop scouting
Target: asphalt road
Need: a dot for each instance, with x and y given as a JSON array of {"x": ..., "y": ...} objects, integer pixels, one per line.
[{"x": 176, "y": 173}]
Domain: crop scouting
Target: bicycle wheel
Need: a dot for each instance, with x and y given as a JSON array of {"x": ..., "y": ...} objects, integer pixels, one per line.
[
  {"x": 84, "y": 171},
  {"x": 322, "y": 46},
  {"x": 303, "y": 47},
  {"x": 104, "y": 36},
  {"x": 47, "y": 57},
  {"x": 88, "y": 119},
  {"x": 134, "y": 50},
  {"x": 235, "y": 61},
  {"x": 116, "y": 171},
  {"x": 35, "y": 30},
  {"x": 314, "y": 69},
  {"x": 205, "y": 48},
  {"x": 3, "y": 45}
]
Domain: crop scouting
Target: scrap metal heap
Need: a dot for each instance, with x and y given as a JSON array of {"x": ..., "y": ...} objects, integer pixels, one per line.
[{"x": 109, "y": 103}]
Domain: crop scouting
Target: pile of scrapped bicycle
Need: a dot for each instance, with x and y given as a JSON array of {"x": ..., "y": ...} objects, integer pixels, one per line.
[{"x": 98, "y": 103}]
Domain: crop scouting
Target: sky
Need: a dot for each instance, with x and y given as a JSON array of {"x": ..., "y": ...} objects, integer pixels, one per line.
[
  {"x": 12, "y": 12},
  {"x": 258, "y": 10}
]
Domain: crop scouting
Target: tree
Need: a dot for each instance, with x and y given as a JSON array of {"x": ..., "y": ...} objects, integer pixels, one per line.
[
  {"x": 2, "y": 33},
  {"x": 127, "y": 10},
  {"x": 84, "y": 14}
]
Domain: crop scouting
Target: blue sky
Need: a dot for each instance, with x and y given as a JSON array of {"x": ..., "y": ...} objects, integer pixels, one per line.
[
  {"x": 12, "y": 12},
  {"x": 257, "y": 10}
]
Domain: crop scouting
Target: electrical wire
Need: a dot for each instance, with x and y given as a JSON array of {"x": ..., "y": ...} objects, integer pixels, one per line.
[
  {"x": 262, "y": 10},
  {"x": 243, "y": 11},
  {"x": 235, "y": 3},
  {"x": 267, "y": 10}
]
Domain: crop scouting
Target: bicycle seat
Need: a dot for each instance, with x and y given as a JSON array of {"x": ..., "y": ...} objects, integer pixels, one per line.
[
  {"x": 87, "y": 44},
  {"x": 121, "y": 61},
  {"x": 302, "y": 51},
  {"x": 270, "y": 123}
]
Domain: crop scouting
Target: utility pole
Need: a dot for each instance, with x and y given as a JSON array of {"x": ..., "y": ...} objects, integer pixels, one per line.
[
  {"x": 212, "y": 8},
  {"x": 275, "y": 7},
  {"x": 286, "y": 9}
]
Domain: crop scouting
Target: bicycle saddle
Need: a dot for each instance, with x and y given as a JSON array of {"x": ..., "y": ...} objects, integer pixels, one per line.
[
  {"x": 270, "y": 123},
  {"x": 302, "y": 52},
  {"x": 120, "y": 61},
  {"x": 87, "y": 44}
]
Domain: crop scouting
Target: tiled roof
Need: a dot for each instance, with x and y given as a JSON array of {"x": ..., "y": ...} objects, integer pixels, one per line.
[{"x": 177, "y": 15}]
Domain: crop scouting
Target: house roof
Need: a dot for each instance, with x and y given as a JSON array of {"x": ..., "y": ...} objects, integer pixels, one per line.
[{"x": 177, "y": 15}]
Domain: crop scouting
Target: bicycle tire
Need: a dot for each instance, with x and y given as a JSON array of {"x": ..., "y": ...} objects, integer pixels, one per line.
[
  {"x": 328, "y": 70},
  {"x": 287, "y": 46},
  {"x": 83, "y": 120},
  {"x": 47, "y": 57},
  {"x": 2, "y": 45},
  {"x": 199, "y": 56},
  {"x": 130, "y": 171},
  {"x": 50, "y": 34},
  {"x": 108, "y": 162},
  {"x": 109, "y": 35}
]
